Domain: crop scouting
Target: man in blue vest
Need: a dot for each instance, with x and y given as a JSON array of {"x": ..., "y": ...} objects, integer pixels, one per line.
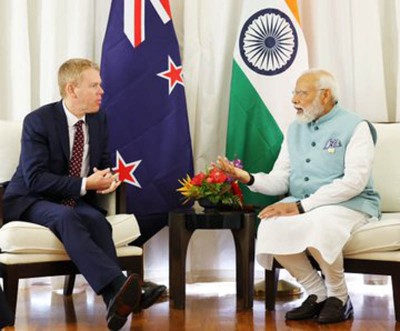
[{"x": 324, "y": 168}]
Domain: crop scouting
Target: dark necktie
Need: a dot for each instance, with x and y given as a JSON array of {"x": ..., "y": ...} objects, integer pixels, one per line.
[{"x": 75, "y": 164}]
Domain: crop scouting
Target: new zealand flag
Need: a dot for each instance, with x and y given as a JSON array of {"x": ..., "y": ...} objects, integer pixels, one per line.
[{"x": 145, "y": 104}]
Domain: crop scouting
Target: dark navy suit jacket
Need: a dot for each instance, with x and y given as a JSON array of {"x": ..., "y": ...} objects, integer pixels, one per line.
[{"x": 42, "y": 172}]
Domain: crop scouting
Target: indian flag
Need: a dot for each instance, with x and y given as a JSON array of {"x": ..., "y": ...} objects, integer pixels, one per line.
[{"x": 269, "y": 55}]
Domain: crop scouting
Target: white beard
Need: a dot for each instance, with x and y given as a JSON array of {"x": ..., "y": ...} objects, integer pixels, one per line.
[{"x": 311, "y": 113}]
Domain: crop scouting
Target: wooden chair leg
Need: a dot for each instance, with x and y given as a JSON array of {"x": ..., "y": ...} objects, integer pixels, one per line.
[
  {"x": 141, "y": 269},
  {"x": 396, "y": 295},
  {"x": 271, "y": 287},
  {"x": 69, "y": 283},
  {"x": 10, "y": 283}
]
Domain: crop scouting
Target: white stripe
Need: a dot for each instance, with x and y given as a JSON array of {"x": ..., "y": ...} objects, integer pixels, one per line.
[
  {"x": 129, "y": 20},
  {"x": 160, "y": 11},
  {"x": 143, "y": 23}
]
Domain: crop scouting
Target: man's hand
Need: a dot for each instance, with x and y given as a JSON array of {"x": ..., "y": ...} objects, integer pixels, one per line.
[
  {"x": 227, "y": 166},
  {"x": 103, "y": 181},
  {"x": 279, "y": 209}
]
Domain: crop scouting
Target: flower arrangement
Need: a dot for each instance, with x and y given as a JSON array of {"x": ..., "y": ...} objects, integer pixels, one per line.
[{"x": 213, "y": 185}]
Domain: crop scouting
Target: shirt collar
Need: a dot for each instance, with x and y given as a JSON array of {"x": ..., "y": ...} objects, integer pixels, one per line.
[{"x": 71, "y": 118}]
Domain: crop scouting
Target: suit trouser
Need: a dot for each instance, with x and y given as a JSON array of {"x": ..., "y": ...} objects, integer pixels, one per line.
[
  {"x": 86, "y": 235},
  {"x": 6, "y": 316}
]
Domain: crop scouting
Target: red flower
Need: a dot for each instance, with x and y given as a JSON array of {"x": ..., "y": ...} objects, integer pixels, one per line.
[
  {"x": 236, "y": 190},
  {"x": 198, "y": 179},
  {"x": 216, "y": 176},
  {"x": 212, "y": 185}
]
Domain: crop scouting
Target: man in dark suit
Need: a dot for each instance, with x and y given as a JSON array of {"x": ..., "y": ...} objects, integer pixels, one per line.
[{"x": 64, "y": 164}]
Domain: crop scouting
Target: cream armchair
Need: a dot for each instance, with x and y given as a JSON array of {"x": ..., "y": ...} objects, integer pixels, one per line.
[
  {"x": 375, "y": 247},
  {"x": 29, "y": 250}
]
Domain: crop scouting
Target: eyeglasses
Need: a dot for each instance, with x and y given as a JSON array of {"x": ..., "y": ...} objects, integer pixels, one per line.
[{"x": 302, "y": 94}]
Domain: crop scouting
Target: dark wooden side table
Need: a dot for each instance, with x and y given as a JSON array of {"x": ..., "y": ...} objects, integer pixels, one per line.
[{"x": 182, "y": 224}]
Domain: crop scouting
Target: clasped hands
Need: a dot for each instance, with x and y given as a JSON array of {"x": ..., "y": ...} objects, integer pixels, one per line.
[
  {"x": 278, "y": 209},
  {"x": 103, "y": 181}
]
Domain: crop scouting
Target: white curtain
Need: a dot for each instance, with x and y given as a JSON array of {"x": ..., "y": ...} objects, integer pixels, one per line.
[{"x": 357, "y": 40}]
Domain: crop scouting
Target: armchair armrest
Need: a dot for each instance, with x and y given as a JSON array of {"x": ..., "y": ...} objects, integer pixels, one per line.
[
  {"x": 120, "y": 196},
  {"x": 114, "y": 203}
]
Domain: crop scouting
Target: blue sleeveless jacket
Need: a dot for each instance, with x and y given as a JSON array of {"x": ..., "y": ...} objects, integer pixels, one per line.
[{"x": 317, "y": 154}]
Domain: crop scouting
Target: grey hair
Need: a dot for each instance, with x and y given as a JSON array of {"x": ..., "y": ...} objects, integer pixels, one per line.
[{"x": 325, "y": 80}]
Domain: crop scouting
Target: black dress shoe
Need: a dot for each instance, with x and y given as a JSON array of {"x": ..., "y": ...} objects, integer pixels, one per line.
[
  {"x": 308, "y": 309},
  {"x": 151, "y": 292},
  {"x": 335, "y": 311},
  {"x": 125, "y": 302}
]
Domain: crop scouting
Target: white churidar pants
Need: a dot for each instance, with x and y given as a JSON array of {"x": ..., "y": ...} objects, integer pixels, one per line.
[{"x": 322, "y": 232}]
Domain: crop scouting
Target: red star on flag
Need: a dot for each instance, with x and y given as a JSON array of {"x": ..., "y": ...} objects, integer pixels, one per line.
[
  {"x": 125, "y": 170},
  {"x": 173, "y": 75}
]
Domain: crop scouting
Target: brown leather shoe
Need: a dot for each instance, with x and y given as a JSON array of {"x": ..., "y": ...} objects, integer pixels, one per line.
[
  {"x": 335, "y": 311},
  {"x": 308, "y": 309},
  {"x": 125, "y": 301}
]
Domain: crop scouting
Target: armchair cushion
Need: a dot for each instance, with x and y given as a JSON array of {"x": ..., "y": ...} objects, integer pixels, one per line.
[
  {"x": 25, "y": 237},
  {"x": 380, "y": 236}
]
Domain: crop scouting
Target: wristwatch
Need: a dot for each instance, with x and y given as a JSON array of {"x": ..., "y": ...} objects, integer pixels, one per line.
[
  {"x": 300, "y": 207},
  {"x": 251, "y": 181}
]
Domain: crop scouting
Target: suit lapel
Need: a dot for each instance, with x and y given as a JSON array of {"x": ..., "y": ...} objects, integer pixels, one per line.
[
  {"x": 93, "y": 136},
  {"x": 62, "y": 128}
]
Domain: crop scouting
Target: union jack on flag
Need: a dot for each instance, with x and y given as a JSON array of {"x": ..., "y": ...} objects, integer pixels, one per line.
[{"x": 135, "y": 18}]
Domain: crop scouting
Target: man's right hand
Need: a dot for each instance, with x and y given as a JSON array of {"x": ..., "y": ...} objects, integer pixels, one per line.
[
  {"x": 101, "y": 180},
  {"x": 227, "y": 166}
]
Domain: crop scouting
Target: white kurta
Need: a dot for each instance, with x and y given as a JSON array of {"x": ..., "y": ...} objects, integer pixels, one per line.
[{"x": 324, "y": 226}]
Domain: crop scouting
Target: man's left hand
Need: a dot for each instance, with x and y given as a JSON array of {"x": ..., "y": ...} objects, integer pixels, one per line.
[
  {"x": 114, "y": 182},
  {"x": 279, "y": 209}
]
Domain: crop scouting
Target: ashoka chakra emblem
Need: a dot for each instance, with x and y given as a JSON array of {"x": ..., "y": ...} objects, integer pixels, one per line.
[{"x": 268, "y": 42}]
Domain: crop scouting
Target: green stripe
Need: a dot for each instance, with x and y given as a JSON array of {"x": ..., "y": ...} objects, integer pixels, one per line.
[{"x": 253, "y": 134}]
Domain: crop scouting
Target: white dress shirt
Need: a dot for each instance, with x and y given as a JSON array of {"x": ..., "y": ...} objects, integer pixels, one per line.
[{"x": 72, "y": 120}]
